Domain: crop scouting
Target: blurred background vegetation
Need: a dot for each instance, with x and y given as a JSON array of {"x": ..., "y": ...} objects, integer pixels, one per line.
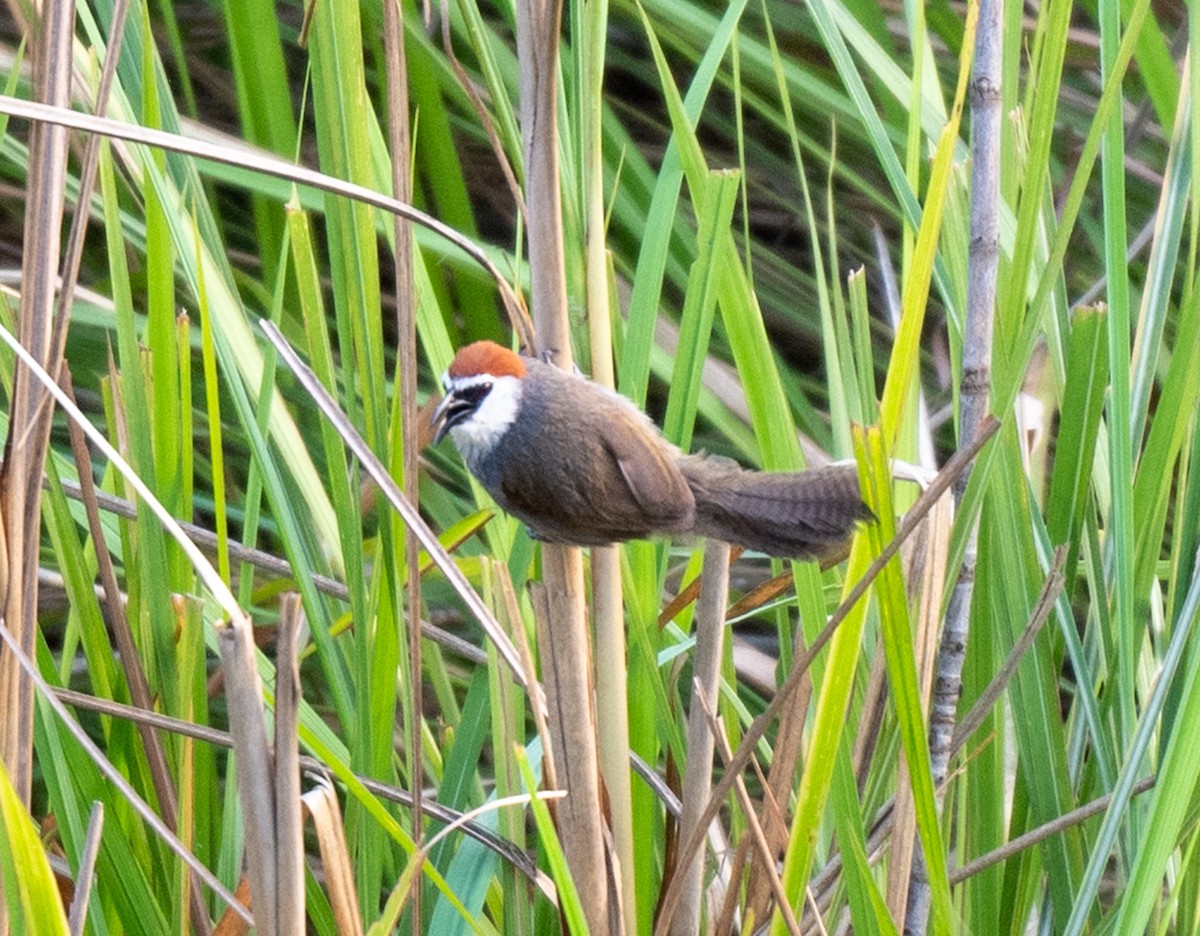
[{"x": 810, "y": 134}]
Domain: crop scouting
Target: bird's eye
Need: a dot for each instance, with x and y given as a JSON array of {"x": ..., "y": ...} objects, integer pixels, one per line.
[{"x": 474, "y": 393}]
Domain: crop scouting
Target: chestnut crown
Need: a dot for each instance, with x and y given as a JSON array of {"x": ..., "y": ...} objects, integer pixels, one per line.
[{"x": 483, "y": 390}]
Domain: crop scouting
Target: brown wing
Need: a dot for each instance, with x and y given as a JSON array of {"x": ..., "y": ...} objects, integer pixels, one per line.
[
  {"x": 648, "y": 468},
  {"x": 627, "y": 487}
]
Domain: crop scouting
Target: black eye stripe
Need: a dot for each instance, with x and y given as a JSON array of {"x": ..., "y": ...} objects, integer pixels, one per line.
[{"x": 473, "y": 393}]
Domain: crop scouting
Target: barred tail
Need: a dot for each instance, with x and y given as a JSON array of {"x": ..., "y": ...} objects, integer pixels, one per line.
[{"x": 798, "y": 515}]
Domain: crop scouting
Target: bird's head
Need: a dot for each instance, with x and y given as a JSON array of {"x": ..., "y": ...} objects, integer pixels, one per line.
[{"x": 483, "y": 391}]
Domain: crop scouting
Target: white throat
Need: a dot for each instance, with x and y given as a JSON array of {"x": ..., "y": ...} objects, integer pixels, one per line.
[{"x": 476, "y": 436}]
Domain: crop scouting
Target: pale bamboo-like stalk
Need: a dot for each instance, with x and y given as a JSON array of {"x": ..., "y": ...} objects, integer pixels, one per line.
[
  {"x": 566, "y": 663},
  {"x": 781, "y": 778},
  {"x": 982, "y": 264},
  {"x": 139, "y": 691},
  {"x": 612, "y": 704},
  {"x": 564, "y": 650},
  {"x": 321, "y": 803},
  {"x": 255, "y": 779},
  {"x": 400, "y": 141},
  {"x": 289, "y": 819},
  {"x": 30, "y": 410},
  {"x": 742, "y": 756},
  {"x": 706, "y": 685},
  {"x": 608, "y": 612}
]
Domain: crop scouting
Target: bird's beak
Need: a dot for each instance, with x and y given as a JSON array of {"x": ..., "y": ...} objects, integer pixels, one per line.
[{"x": 439, "y": 421}]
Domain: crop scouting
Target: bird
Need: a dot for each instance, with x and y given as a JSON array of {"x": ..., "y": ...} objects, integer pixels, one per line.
[{"x": 581, "y": 465}]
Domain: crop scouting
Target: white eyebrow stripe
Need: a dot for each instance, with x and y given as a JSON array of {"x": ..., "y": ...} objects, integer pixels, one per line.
[{"x": 473, "y": 380}]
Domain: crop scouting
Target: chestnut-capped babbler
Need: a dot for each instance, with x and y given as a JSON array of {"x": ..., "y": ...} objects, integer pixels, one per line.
[{"x": 581, "y": 465}]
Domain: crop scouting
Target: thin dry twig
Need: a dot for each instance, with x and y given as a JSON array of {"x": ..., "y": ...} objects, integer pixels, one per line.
[
  {"x": 409, "y": 513},
  {"x": 952, "y": 469},
  {"x": 257, "y": 161},
  {"x": 77, "y": 917},
  {"x": 1041, "y": 613},
  {"x": 1041, "y": 833},
  {"x": 481, "y": 111},
  {"x": 118, "y": 780},
  {"x": 215, "y": 736},
  {"x": 267, "y": 562},
  {"x": 757, "y": 836}
]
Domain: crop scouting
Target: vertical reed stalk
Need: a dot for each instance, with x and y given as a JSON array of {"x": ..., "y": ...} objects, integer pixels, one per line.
[
  {"x": 400, "y": 141},
  {"x": 983, "y": 262},
  {"x": 564, "y": 648},
  {"x": 706, "y": 684},
  {"x": 30, "y": 410}
]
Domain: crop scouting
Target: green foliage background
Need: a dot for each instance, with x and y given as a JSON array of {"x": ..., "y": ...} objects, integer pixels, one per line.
[{"x": 766, "y": 169}]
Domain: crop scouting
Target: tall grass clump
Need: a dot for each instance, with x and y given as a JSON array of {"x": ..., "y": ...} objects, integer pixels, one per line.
[{"x": 269, "y": 658}]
